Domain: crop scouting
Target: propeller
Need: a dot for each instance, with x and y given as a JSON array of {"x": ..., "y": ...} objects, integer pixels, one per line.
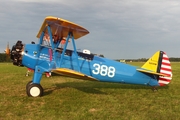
[{"x": 7, "y": 51}]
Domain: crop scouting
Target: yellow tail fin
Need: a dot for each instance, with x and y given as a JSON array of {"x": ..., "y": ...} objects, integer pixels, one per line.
[{"x": 152, "y": 63}]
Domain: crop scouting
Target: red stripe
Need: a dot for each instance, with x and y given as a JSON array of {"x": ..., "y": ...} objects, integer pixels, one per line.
[
  {"x": 164, "y": 79},
  {"x": 165, "y": 63},
  {"x": 166, "y": 69},
  {"x": 165, "y": 58},
  {"x": 50, "y": 54},
  {"x": 162, "y": 84}
]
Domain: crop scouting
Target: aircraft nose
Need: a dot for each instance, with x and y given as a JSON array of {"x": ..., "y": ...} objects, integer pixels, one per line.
[{"x": 16, "y": 53}]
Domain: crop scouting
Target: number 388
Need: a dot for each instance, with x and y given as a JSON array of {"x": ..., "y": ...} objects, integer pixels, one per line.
[{"x": 103, "y": 70}]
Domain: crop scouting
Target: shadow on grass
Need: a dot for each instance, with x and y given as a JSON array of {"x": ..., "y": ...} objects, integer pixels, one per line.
[{"x": 95, "y": 87}]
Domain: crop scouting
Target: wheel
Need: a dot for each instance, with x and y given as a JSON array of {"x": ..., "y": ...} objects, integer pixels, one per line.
[
  {"x": 34, "y": 90},
  {"x": 29, "y": 83},
  {"x": 154, "y": 89}
]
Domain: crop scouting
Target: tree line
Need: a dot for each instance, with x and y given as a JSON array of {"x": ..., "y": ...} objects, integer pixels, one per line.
[
  {"x": 171, "y": 59},
  {"x": 6, "y": 58}
]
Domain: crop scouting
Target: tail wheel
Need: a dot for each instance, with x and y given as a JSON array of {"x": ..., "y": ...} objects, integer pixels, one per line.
[{"x": 34, "y": 90}]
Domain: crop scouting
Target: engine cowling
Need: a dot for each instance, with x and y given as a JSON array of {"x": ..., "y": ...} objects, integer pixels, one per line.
[{"x": 16, "y": 53}]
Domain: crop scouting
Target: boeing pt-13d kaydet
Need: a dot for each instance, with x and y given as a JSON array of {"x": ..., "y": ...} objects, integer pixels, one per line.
[{"x": 47, "y": 56}]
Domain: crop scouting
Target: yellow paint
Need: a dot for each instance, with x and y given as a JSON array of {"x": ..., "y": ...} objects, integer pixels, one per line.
[
  {"x": 62, "y": 27},
  {"x": 152, "y": 63},
  {"x": 72, "y": 73}
]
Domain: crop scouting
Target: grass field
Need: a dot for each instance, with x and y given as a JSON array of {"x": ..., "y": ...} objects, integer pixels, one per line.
[{"x": 72, "y": 99}]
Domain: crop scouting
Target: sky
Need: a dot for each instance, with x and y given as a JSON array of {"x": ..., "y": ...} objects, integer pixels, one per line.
[{"x": 119, "y": 29}]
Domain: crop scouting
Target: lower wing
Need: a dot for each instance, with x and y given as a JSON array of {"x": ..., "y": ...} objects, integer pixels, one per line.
[{"x": 72, "y": 73}]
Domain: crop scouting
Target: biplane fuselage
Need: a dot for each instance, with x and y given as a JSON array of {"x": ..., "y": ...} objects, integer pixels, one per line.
[
  {"x": 101, "y": 69},
  {"x": 50, "y": 58}
]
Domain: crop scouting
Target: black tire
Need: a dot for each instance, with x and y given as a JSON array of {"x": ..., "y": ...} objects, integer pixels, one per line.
[
  {"x": 29, "y": 83},
  {"x": 34, "y": 90}
]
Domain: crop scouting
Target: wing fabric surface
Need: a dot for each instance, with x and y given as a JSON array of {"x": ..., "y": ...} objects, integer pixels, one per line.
[
  {"x": 72, "y": 73},
  {"x": 62, "y": 27}
]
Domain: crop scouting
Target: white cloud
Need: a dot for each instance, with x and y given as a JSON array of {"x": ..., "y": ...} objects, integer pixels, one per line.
[{"x": 139, "y": 25}]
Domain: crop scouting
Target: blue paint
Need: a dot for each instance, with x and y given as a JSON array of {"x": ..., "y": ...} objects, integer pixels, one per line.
[{"x": 123, "y": 73}]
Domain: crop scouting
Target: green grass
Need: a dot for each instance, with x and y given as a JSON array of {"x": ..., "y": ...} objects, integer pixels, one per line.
[{"x": 72, "y": 99}]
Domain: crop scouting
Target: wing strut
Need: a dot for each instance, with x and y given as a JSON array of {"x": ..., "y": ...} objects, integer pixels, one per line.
[{"x": 70, "y": 34}]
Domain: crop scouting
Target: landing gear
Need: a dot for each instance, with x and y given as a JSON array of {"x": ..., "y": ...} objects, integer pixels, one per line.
[
  {"x": 154, "y": 89},
  {"x": 34, "y": 90}
]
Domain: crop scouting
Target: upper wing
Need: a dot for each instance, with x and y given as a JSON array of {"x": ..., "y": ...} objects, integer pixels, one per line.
[
  {"x": 72, "y": 73},
  {"x": 62, "y": 27},
  {"x": 152, "y": 72}
]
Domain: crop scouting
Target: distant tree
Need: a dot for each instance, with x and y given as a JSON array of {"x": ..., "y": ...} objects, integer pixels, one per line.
[{"x": 4, "y": 58}]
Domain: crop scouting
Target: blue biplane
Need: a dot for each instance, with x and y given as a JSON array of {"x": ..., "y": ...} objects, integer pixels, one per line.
[{"x": 47, "y": 56}]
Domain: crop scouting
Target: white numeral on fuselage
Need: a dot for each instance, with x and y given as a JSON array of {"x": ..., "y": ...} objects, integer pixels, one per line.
[{"x": 103, "y": 70}]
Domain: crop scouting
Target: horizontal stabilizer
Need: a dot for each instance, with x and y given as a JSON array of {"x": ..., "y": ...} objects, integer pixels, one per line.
[
  {"x": 152, "y": 72},
  {"x": 72, "y": 73}
]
